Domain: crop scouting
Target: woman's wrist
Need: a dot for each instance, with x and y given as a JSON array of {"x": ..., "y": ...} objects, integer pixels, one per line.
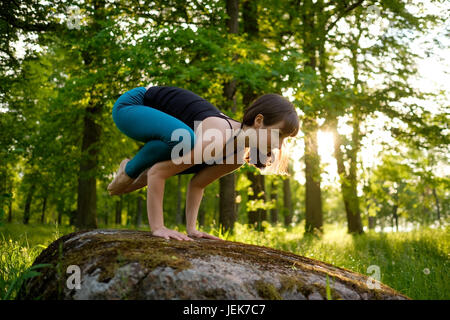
[
  {"x": 153, "y": 229},
  {"x": 155, "y": 194},
  {"x": 190, "y": 229},
  {"x": 194, "y": 196}
]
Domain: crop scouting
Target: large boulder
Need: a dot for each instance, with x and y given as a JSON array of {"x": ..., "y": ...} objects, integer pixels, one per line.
[{"x": 126, "y": 264}]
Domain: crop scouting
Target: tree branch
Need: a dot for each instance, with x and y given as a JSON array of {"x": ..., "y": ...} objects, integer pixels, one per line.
[{"x": 342, "y": 14}]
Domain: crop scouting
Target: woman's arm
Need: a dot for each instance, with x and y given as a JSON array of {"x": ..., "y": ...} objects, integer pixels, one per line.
[
  {"x": 194, "y": 194},
  {"x": 156, "y": 178},
  {"x": 155, "y": 193}
]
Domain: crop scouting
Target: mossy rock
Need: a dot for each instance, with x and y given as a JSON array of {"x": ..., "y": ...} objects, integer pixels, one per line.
[{"x": 126, "y": 264}]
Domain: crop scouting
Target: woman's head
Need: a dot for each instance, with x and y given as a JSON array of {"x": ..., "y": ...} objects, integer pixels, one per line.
[{"x": 278, "y": 117}]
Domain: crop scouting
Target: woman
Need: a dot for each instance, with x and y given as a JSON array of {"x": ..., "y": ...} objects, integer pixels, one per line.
[{"x": 152, "y": 115}]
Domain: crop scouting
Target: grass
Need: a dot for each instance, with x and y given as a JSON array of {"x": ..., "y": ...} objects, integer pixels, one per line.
[
  {"x": 19, "y": 246},
  {"x": 415, "y": 263}
]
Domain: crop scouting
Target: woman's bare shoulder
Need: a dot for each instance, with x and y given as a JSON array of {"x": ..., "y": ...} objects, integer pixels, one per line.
[{"x": 215, "y": 123}]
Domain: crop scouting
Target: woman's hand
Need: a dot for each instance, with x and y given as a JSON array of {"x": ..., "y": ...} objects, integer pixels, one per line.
[
  {"x": 168, "y": 233},
  {"x": 199, "y": 234}
]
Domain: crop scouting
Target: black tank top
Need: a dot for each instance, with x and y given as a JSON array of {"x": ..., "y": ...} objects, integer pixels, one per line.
[
  {"x": 182, "y": 104},
  {"x": 187, "y": 107}
]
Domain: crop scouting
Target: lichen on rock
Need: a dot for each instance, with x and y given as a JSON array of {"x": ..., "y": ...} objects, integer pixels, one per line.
[{"x": 126, "y": 264}]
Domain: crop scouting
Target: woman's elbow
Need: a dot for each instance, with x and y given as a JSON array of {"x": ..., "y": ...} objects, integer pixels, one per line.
[{"x": 157, "y": 173}]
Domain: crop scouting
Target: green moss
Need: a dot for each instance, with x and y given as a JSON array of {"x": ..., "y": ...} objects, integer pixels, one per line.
[
  {"x": 267, "y": 290},
  {"x": 110, "y": 251},
  {"x": 289, "y": 283},
  {"x": 215, "y": 293},
  {"x": 298, "y": 283},
  {"x": 116, "y": 250},
  {"x": 323, "y": 291},
  {"x": 295, "y": 283}
]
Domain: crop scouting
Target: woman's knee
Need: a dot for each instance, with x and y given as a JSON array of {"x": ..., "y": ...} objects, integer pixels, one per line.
[
  {"x": 134, "y": 96},
  {"x": 183, "y": 135}
]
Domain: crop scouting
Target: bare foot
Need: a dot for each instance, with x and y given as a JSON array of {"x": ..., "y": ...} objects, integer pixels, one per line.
[
  {"x": 138, "y": 183},
  {"x": 121, "y": 180}
]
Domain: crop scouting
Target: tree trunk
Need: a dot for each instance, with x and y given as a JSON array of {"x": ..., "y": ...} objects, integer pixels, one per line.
[
  {"x": 353, "y": 199},
  {"x": 232, "y": 10},
  {"x": 287, "y": 201},
  {"x": 258, "y": 215},
  {"x": 261, "y": 196},
  {"x": 371, "y": 222},
  {"x": 395, "y": 210},
  {"x": 311, "y": 32},
  {"x": 139, "y": 211},
  {"x": 227, "y": 201},
  {"x": 128, "y": 215},
  {"x": 201, "y": 216},
  {"x": 217, "y": 207},
  {"x": 348, "y": 184},
  {"x": 106, "y": 213},
  {"x": 179, "y": 215},
  {"x": 183, "y": 216},
  {"x": 395, "y": 217},
  {"x": 274, "y": 198},
  {"x": 60, "y": 208},
  {"x": 10, "y": 211},
  {"x": 352, "y": 178},
  {"x": 28, "y": 201},
  {"x": 313, "y": 198},
  {"x": 119, "y": 211},
  {"x": 44, "y": 204},
  {"x": 10, "y": 202},
  {"x": 87, "y": 193},
  {"x": 252, "y": 214},
  {"x": 250, "y": 27},
  {"x": 73, "y": 214},
  {"x": 436, "y": 199}
]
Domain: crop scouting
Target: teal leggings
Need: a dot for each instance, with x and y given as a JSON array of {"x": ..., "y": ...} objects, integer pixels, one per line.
[{"x": 149, "y": 125}]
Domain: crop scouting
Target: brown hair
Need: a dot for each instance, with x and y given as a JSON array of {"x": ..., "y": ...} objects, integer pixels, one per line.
[{"x": 274, "y": 108}]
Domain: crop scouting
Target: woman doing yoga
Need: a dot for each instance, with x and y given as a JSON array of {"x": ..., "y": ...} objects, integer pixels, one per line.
[{"x": 170, "y": 120}]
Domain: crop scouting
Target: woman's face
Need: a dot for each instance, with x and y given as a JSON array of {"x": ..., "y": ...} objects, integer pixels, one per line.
[{"x": 271, "y": 135}]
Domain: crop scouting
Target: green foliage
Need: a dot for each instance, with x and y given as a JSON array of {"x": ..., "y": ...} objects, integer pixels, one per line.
[
  {"x": 19, "y": 247},
  {"x": 66, "y": 73},
  {"x": 406, "y": 182},
  {"x": 47, "y": 92},
  {"x": 27, "y": 274}
]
